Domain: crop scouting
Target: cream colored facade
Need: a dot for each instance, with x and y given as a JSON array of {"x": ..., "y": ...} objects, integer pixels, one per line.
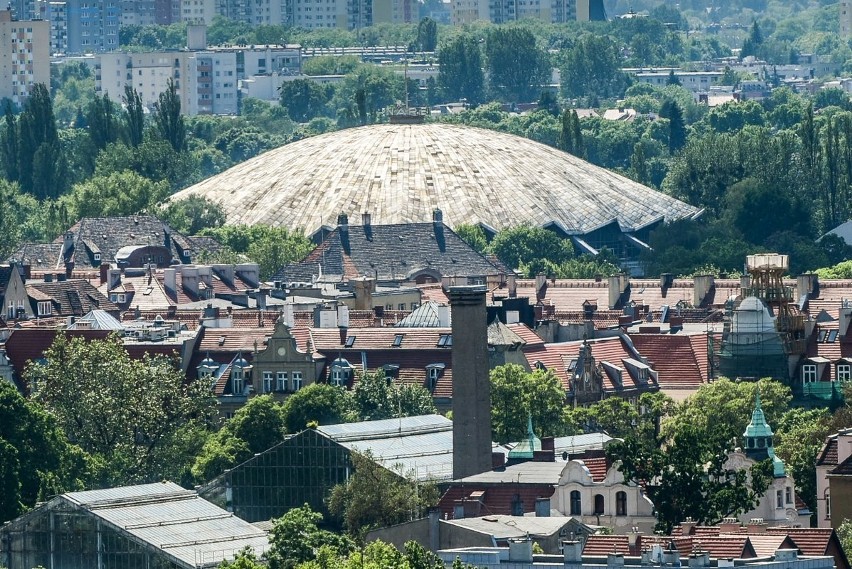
[
  {"x": 612, "y": 502},
  {"x": 206, "y": 81},
  {"x": 394, "y": 11},
  {"x": 24, "y": 56}
]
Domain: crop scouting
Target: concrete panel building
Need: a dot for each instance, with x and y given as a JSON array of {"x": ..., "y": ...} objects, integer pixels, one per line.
[
  {"x": 93, "y": 25},
  {"x": 24, "y": 56}
]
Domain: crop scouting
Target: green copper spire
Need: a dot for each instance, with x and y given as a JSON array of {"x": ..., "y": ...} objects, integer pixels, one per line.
[
  {"x": 757, "y": 438},
  {"x": 527, "y": 446},
  {"x": 758, "y": 426}
]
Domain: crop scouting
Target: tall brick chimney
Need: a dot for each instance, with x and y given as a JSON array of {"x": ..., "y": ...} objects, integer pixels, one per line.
[{"x": 471, "y": 385}]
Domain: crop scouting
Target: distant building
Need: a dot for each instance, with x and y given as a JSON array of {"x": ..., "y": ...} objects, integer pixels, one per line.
[
  {"x": 93, "y": 25},
  {"x": 834, "y": 480},
  {"x": 57, "y": 14},
  {"x": 845, "y": 19},
  {"x": 24, "y": 56},
  {"x": 504, "y": 11}
]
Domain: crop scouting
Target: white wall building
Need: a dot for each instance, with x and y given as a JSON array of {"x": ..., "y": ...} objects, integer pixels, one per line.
[{"x": 24, "y": 56}]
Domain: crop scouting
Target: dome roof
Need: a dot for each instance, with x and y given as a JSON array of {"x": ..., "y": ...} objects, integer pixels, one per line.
[{"x": 401, "y": 173}]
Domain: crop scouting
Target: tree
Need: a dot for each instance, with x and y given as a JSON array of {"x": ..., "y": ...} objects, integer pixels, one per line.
[
  {"x": 120, "y": 193},
  {"x": 154, "y": 159},
  {"x": 134, "y": 116},
  {"x": 378, "y": 397},
  {"x": 473, "y": 235},
  {"x": 38, "y": 141},
  {"x": 101, "y": 121},
  {"x": 36, "y": 460},
  {"x": 460, "y": 74},
  {"x": 168, "y": 118},
  {"x": 800, "y": 434},
  {"x": 427, "y": 34},
  {"x": 296, "y": 538},
  {"x": 688, "y": 477},
  {"x": 518, "y": 395},
  {"x": 193, "y": 214},
  {"x": 592, "y": 68},
  {"x": 844, "y": 533},
  {"x": 375, "y": 496},
  {"x": 303, "y": 98},
  {"x": 677, "y": 129},
  {"x": 254, "y": 428},
  {"x": 10, "y": 144},
  {"x": 316, "y": 404},
  {"x": 128, "y": 414},
  {"x": 525, "y": 247},
  {"x": 270, "y": 247},
  {"x": 517, "y": 67}
]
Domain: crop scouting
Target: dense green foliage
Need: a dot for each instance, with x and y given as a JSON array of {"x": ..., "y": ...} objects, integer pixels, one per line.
[
  {"x": 136, "y": 419},
  {"x": 518, "y": 396},
  {"x": 379, "y": 496}
]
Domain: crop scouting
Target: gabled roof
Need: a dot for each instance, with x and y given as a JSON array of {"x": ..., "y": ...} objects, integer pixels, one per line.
[
  {"x": 97, "y": 320},
  {"x": 842, "y": 469},
  {"x": 390, "y": 252},
  {"x": 424, "y": 316},
  {"x": 71, "y": 298},
  {"x": 680, "y": 360},
  {"x": 177, "y": 524}
]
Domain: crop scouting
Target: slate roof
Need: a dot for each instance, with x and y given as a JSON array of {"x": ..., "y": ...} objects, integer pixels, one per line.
[
  {"x": 828, "y": 454},
  {"x": 842, "y": 469},
  {"x": 424, "y": 316},
  {"x": 108, "y": 235},
  {"x": 400, "y": 173},
  {"x": 71, "y": 298},
  {"x": 389, "y": 252}
]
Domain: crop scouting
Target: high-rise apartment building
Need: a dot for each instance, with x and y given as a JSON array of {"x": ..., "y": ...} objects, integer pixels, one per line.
[
  {"x": 93, "y": 25},
  {"x": 206, "y": 81},
  {"x": 503, "y": 11},
  {"x": 56, "y": 14},
  {"x": 24, "y": 56},
  {"x": 137, "y": 12},
  {"x": 845, "y": 19}
]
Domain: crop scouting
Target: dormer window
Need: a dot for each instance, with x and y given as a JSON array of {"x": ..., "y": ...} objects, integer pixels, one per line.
[
  {"x": 45, "y": 308},
  {"x": 809, "y": 373},
  {"x": 339, "y": 376},
  {"x": 541, "y": 367},
  {"x": 433, "y": 373},
  {"x": 97, "y": 257},
  {"x": 238, "y": 382}
]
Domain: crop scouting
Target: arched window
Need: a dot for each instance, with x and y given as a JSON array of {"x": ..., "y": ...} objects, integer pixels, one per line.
[
  {"x": 599, "y": 504},
  {"x": 621, "y": 503},
  {"x": 576, "y": 503}
]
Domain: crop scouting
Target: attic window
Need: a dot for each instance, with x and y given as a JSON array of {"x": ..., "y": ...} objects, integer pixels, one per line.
[
  {"x": 541, "y": 366},
  {"x": 97, "y": 256},
  {"x": 445, "y": 341},
  {"x": 397, "y": 340},
  {"x": 832, "y": 336},
  {"x": 572, "y": 365},
  {"x": 822, "y": 336},
  {"x": 221, "y": 340},
  {"x": 350, "y": 341}
]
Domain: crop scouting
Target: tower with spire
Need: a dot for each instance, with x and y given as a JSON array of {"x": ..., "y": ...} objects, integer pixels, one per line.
[{"x": 758, "y": 441}]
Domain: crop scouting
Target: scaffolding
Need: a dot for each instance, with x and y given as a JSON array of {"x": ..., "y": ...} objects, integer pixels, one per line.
[{"x": 763, "y": 328}]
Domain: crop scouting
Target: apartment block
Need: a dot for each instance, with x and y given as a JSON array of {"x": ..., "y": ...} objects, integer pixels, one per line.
[
  {"x": 503, "y": 11},
  {"x": 206, "y": 81},
  {"x": 56, "y": 13},
  {"x": 198, "y": 11},
  {"x": 93, "y": 25},
  {"x": 24, "y": 56},
  {"x": 137, "y": 12},
  {"x": 845, "y": 19}
]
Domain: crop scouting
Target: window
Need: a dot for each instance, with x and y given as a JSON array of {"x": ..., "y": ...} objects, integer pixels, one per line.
[
  {"x": 297, "y": 380},
  {"x": 238, "y": 384},
  {"x": 44, "y": 308},
  {"x": 599, "y": 504},
  {"x": 827, "y": 497},
  {"x": 281, "y": 381},
  {"x": 97, "y": 256},
  {"x": 576, "y": 503},
  {"x": 844, "y": 372},
  {"x": 445, "y": 341},
  {"x": 388, "y": 306},
  {"x": 397, "y": 340},
  {"x": 11, "y": 312},
  {"x": 809, "y": 373},
  {"x": 779, "y": 499},
  {"x": 621, "y": 503},
  {"x": 267, "y": 382},
  {"x": 788, "y": 495},
  {"x": 338, "y": 376},
  {"x": 350, "y": 341},
  {"x": 401, "y": 306}
]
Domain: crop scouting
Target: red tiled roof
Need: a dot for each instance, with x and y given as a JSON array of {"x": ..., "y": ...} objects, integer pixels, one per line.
[
  {"x": 433, "y": 292},
  {"x": 527, "y": 335},
  {"x": 729, "y": 546},
  {"x": 676, "y": 357},
  {"x": 598, "y": 467},
  {"x": 325, "y": 339},
  {"x": 811, "y": 541},
  {"x": 602, "y": 545},
  {"x": 498, "y": 499},
  {"x": 765, "y": 545}
]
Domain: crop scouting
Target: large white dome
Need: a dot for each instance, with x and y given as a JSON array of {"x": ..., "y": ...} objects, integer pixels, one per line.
[{"x": 401, "y": 173}]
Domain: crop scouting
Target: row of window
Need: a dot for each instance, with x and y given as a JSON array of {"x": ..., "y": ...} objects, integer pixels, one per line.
[
  {"x": 782, "y": 496},
  {"x": 576, "y": 504},
  {"x": 279, "y": 381},
  {"x": 809, "y": 373}
]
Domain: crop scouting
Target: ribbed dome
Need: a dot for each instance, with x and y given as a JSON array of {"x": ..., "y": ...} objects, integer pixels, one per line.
[{"x": 401, "y": 173}]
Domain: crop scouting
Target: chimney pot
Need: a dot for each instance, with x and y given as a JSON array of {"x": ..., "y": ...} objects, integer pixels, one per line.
[
  {"x": 365, "y": 219},
  {"x": 437, "y": 216}
]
